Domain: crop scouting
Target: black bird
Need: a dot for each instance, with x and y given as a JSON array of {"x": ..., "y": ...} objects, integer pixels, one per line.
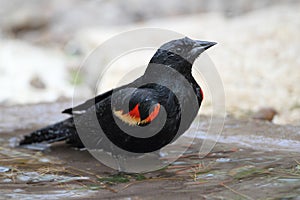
[{"x": 142, "y": 116}]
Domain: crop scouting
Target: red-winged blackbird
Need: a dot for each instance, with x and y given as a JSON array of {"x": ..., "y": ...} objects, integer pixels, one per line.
[{"x": 142, "y": 116}]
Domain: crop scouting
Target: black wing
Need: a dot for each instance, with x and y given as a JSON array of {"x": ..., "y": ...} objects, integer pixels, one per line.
[{"x": 135, "y": 105}]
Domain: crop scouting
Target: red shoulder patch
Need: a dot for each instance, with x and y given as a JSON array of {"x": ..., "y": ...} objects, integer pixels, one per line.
[
  {"x": 133, "y": 117},
  {"x": 135, "y": 113},
  {"x": 153, "y": 114}
]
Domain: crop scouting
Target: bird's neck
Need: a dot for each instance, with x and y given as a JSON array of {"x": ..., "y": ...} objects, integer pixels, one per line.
[
  {"x": 157, "y": 69},
  {"x": 161, "y": 72}
]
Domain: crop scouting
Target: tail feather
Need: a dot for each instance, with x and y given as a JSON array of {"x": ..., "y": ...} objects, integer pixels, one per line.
[{"x": 60, "y": 131}]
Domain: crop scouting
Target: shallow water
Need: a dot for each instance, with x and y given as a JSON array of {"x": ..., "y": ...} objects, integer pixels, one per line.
[
  {"x": 250, "y": 133},
  {"x": 249, "y": 154}
]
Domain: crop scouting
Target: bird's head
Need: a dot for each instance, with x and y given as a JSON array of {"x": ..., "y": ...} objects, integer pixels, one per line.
[{"x": 180, "y": 54}]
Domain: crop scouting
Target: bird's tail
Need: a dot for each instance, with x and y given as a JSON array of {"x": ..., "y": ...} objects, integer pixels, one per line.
[{"x": 60, "y": 131}]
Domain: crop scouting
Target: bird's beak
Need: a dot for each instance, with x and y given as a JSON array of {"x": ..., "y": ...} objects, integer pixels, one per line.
[
  {"x": 203, "y": 45},
  {"x": 199, "y": 47}
]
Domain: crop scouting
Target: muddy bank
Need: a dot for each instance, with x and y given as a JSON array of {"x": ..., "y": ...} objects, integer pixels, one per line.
[{"x": 236, "y": 168}]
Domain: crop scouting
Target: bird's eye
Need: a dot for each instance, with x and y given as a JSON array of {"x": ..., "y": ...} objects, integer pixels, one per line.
[{"x": 178, "y": 50}]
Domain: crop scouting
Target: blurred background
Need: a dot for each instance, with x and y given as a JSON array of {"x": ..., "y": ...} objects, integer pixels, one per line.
[{"x": 42, "y": 44}]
